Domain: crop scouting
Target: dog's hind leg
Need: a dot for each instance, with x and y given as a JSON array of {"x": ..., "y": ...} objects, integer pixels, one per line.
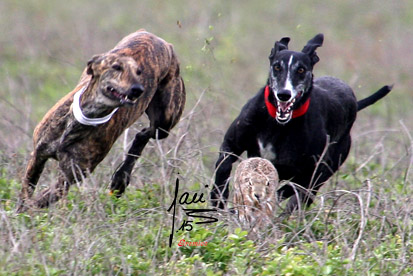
[
  {"x": 52, "y": 194},
  {"x": 34, "y": 169},
  {"x": 303, "y": 196},
  {"x": 69, "y": 172},
  {"x": 303, "y": 189},
  {"x": 163, "y": 112}
]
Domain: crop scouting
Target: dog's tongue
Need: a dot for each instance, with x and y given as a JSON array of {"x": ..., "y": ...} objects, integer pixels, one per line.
[{"x": 284, "y": 106}]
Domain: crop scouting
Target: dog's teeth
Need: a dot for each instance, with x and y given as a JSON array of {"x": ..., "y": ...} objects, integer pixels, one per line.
[{"x": 125, "y": 98}]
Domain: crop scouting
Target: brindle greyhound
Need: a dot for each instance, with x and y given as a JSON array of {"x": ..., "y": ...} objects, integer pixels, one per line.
[{"x": 141, "y": 74}]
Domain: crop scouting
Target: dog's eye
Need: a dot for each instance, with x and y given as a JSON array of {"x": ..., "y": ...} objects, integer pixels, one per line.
[
  {"x": 300, "y": 70},
  {"x": 117, "y": 67},
  {"x": 138, "y": 72},
  {"x": 277, "y": 67}
]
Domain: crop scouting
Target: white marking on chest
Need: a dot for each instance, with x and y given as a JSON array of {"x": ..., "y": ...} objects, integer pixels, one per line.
[{"x": 266, "y": 151}]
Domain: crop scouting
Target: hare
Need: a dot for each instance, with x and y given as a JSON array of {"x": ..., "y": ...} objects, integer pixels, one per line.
[{"x": 254, "y": 195}]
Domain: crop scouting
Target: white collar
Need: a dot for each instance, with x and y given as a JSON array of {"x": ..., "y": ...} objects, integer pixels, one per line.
[{"x": 81, "y": 118}]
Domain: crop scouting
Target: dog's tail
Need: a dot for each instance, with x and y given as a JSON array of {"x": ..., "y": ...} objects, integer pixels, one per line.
[{"x": 374, "y": 98}]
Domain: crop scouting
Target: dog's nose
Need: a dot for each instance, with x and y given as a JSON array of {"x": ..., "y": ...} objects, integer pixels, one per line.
[
  {"x": 284, "y": 95},
  {"x": 136, "y": 90}
]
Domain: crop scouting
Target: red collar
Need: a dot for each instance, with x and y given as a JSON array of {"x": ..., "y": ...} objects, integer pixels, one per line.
[{"x": 272, "y": 110}]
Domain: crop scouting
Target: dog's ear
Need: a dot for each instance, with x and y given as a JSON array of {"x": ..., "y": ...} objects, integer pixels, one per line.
[
  {"x": 278, "y": 46},
  {"x": 92, "y": 63},
  {"x": 311, "y": 46}
]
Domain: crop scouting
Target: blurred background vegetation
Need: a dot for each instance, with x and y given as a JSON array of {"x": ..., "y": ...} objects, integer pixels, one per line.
[{"x": 223, "y": 47}]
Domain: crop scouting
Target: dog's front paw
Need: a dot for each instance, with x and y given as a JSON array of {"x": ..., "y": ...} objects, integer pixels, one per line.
[
  {"x": 24, "y": 205},
  {"x": 120, "y": 181},
  {"x": 21, "y": 207}
]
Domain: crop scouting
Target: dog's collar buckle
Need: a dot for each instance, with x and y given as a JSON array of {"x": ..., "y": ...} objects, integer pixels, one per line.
[
  {"x": 272, "y": 110},
  {"x": 81, "y": 118}
]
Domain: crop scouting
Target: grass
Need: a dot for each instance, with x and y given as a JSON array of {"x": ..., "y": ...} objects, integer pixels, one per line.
[{"x": 361, "y": 222}]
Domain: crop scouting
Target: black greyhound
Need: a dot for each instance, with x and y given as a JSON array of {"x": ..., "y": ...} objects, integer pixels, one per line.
[{"x": 301, "y": 125}]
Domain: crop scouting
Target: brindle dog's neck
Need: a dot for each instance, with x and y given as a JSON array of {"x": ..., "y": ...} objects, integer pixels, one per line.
[
  {"x": 91, "y": 107},
  {"x": 91, "y": 102}
]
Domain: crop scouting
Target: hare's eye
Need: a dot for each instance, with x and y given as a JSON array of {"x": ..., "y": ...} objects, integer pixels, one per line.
[
  {"x": 117, "y": 67},
  {"x": 268, "y": 183},
  {"x": 249, "y": 182}
]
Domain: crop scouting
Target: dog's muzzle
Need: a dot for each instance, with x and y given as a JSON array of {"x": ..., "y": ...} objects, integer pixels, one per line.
[
  {"x": 285, "y": 108},
  {"x": 285, "y": 105},
  {"x": 131, "y": 97}
]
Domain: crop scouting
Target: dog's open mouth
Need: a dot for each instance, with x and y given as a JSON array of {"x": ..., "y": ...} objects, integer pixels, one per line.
[
  {"x": 285, "y": 109},
  {"x": 121, "y": 97}
]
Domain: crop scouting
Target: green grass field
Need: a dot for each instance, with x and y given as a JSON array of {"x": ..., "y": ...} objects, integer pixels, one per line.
[{"x": 361, "y": 222}]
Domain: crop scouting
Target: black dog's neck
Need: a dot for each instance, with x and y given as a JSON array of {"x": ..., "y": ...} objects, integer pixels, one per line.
[{"x": 303, "y": 99}]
